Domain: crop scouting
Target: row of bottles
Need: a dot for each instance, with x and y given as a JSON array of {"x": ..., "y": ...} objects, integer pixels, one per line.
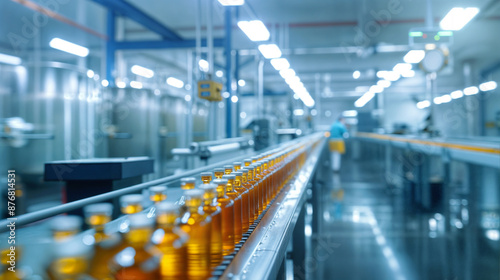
[{"x": 185, "y": 239}]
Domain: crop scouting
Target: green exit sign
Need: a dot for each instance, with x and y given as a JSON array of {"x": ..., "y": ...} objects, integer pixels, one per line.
[{"x": 423, "y": 37}]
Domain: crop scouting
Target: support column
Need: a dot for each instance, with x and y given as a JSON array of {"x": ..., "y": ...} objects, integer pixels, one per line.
[
  {"x": 110, "y": 47},
  {"x": 227, "y": 47}
]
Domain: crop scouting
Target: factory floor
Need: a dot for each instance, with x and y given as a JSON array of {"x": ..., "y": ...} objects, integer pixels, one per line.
[{"x": 371, "y": 231}]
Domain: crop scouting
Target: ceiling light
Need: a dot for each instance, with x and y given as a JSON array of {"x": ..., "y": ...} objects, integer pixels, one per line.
[
  {"x": 204, "y": 65},
  {"x": 90, "y": 74},
  {"x": 104, "y": 83},
  {"x": 457, "y": 18},
  {"x": 226, "y": 94},
  {"x": 219, "y": 73},
  {"x": 414, "y": 56},
  {"x": 270, "y": 51},
  {"x": 445, "y": 98},
  {"x": 356, "y": 74},
  {"x": 491, "y": 85},
  {"x": 362, "y": 88},
  {"x": 364, "y": 99},
  {"x": 382, "y": 74},
  {"x": 255, "y": 30},
  {"x": 401, "y": 68},
  {"x": 298, "y": 112},
  {"x": 136, "y": 84},
  {"x": 392, "y": 76},
  {"x": 68, "y": 47},
  {"x": 423, "y": 104},
  {"x": 408, "y": 74},
  {"x": 9, "y": 59},
  {"x": 287, "y": 73},
  {"x": 232, "y": 2},
  {"x": 471, "y": 90},
  {"x": 350, "y": 113},
  {"x": 280, "y": 64},
  {"x": 292, "y": 80},
  {"x": 234, "y": 98},
  {"x": 437, "y": 100},
  {"x": 175, "y": 82},
  {"x": 457, "y": 94},
  {"x": 121, "y": 84},
  {"x": 376, "y": 89},
  {"x": 384, "y": 83},
  {"x": 242, "y": 83},
  {"x": 142, "y": 71},
  {"x": 295, "y": 96}
]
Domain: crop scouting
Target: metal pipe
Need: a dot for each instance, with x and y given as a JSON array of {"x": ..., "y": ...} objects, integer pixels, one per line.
[
  {"x": 210, "y": 38},
  {"x": 218, "y": 142},
  {"x": 228, "y": 23},
  {"x": 429, "y": 19},
  {"x": 226, "y": 148},
  {"x": 110, "y": 47}
]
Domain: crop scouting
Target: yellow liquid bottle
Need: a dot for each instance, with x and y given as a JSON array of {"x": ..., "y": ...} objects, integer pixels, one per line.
[
  {"x": 131, "y": 204},
  {"x": 255, "y": 159},
  {"x": 171, "y": 242},
  {"x": 237, "y": 165},
  {"x": 228, "y": 169},
  {"x": 227, "y": 211},
  {"x": 210, "y": 206},
  {"x": 206, "y": 177},
  {"x": 251, "y": 195},
  {"x": 107, "y": 245},
  {"x": 235, "y": 196},
  {"x": 260, "y": 186},
  {"x": 251, "y": 181},
  {"x": 137, "y": 259},
  {"x": 245, "y": 203},
  {"x": 70, "y": 255},
  {"x": 197, "y": 224},
  {"x": 266, "y": 180},
  {"x": 187, "y": 183},
  {"x": 157, "y": 194},
  {"x": 247, "y": 162},
  {"x": 218, "y": 173}
]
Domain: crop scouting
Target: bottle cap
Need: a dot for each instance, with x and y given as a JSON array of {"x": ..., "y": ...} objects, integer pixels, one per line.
[
  {"x": 131, "y": 199},
  {"x": 220, "y": 181},
  {"x": 167, "y": 207},
  {"x": 188, "y": 180},
  {"x": 140, "y": 220},
  {"x": 98, "y": 209},
  {"x": 206, "y": 173},
  {"x": 158, "y": 189},
  {"x": 66, "y": 223},
  {"x": 238, "y": 173},
  {"x": 229, "y": 176}
]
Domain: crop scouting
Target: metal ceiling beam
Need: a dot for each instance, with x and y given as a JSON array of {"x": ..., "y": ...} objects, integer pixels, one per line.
[
  {"x": 132, "y": 12},
  {"x": 165, "y": 44}
]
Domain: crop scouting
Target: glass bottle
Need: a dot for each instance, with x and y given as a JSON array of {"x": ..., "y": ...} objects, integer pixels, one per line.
[
  {"x": 237, "y": 165},
  {"x": 210, "y": 206},
  {"x": 227, "y": 210},
  {"x": 137, "y": 260},
  {"x": 245, "y": 204},
  {"x": 247, "y": 162},
  {"x": 131, "y": 204},
  {"x": 235, "y": 196},
  {"x": 260, "y": 185},
  {"x": 253, "y": 183},
  {"x": 206, "y": 177},
  {"x": 187, "y": 183},
  {"x": 228, "y": 169},
  {"x": 70, "y": 255},
  {"x": 266, "y": 180},
  {"x": 158, "y": 194},
  {"x": 171, "y": 242},
  {"x": 218, "y": 173},
  {"x": 107, "y": 245},
  {"x": 251, "y": 195},
  {"x": 197, "y": 224}
]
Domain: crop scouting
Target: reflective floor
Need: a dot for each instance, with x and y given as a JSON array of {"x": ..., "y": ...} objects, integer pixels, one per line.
[{"x": 370, "y": 231}]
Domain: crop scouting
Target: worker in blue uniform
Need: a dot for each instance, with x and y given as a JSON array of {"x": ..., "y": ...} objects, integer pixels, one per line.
[{"x": 338, "y": 132}]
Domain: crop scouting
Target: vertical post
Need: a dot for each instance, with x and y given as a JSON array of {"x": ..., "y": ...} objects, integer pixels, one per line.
[
  {"x": 227, "y": 46},
  {"x": 260, "y": 95},
  {"x": 237, "y": 93},
  {"x": 429, "y": 19},
  {"x": 110, "y": 47}
]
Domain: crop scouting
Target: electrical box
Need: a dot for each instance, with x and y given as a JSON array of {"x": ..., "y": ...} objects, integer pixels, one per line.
[{"x": 210, "y": 90}]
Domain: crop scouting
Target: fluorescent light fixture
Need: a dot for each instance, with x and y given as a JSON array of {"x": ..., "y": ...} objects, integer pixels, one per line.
[
  {"x": 234, "y": 98},
  {"x": 280, "y": 63},
  {"x": 255, "y": 30},
  {"x": 295, "y": 96},
  {"x": 104, "y": 83},
  {"x": 356, "y": 74},
  {"x": 401, "y": 68},
  {"x": 90, "y": 74},
  {"x": 226, "y": 94},
  {"x": 136, "y": 84},
  {"x": 437, "y": 100},
  {"x": 408, "y": 74},
  {"x": 384, "y": 83},
  {"x": 121, "y": 84},
  {"x": 175, "y": 82},
  {"x": 457, "y": 18},
  {"x": 423, "y": 104},
  {"x": 270, "y": 51},
  {"x": 382, "y": 74},
  {"x": 471, "y": 91},
  {"x": 9, "y": 59},
  {"x": 298, "y": 112},
  {"x": 350, "y": 113},
  {"x": 416, "y": 34},
  {"x": 292, "y": 80},
  {"x": 204, "y": 65},
  {"x": 414, "y": 56},
  {"x": 376, "y": 89},
  {"x": 491, "y": 85},
  {"x": 68, "y": 47},
  {"x": 287, "y": 73},
  {"x": 362, "y": 88},
  {"x": 142, "y": 71},
  {"x": 242, "y": 83},
  {"x": 392, "y": 76},
  {"x": 445, "y": 98},
  {"x": 457, "y": 94},
  {"x": 232, "y": 2},
  {"x": 361, "y": 102},
  {"x": 219, "y": 73}
]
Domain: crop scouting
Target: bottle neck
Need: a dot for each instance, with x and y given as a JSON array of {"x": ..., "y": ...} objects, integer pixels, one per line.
[
  {"x": 138, "y": 237},
  {"x": 166, "y": 220},
  {"x": 230, "y": 186},
  {"x": 193, "y": 204},
  {"x": 221, "y": 191},
  {"x": 237, "y": 182}
]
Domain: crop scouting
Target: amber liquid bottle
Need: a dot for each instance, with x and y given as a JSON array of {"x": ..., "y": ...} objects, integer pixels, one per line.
[
  {"x": 170, "y": 242},
  {"x": 236, "y": 166},
  {"x": 245, "y": 203},
  {"x": 186, "y": 184},
  {"x": 71, "y": 256},
  {"x": 228, "y": 169},
  {"x": 251, "y": 181},
  {"x": 210, "y": 206},
  {"x": 157, "y": 194},
  {"x": 235, "y": 196},
  {"x": 206, "y": 177},
  {"x": 136, "y": 260},
  {"x": 107, "y": 245},
  {"x": 227, "y": 211},
  {"x": 197, "y": 224},
  {"x": 131, "y": 204},
  {"x": 247, "y": 162},
  {"x": 260, "y": 186},
  {"x": 218, "y": 173},
  {"x": 251, "y": 195},
  {"x": 266, "y": 178}
]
